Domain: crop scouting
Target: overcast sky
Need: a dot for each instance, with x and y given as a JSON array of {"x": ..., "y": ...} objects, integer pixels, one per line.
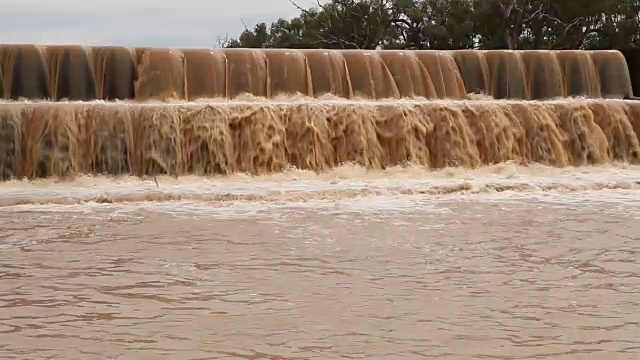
[{"x": 179, "y": 23}]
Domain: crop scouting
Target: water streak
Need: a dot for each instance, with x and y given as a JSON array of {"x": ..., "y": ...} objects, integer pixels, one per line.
[{"x": 260, "y": 136}]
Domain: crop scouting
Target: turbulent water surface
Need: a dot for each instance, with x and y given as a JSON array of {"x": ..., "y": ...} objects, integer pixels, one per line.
[
  {"x": 504, "y": 262},
  {"x": 380, "y": 261}
]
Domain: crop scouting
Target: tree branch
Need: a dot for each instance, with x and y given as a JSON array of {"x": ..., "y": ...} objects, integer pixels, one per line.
[{"x": 329, "y": 38}]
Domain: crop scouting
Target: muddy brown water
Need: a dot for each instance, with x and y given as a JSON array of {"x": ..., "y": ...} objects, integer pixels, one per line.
[{"x": 504, "y": 262}]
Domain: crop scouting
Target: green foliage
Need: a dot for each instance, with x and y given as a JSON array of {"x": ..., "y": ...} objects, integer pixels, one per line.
[{"x": 453, "y": 24}]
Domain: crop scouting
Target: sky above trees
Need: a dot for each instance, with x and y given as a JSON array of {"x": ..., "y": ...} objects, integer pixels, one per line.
[
  {"x": 191, "y": 23},
  {"x": 439, "y": 24}
]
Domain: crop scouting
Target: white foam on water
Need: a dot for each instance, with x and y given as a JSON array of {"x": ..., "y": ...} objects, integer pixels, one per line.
[
  {"x": 297, "y": 100},
  {"x": 345, "y": 189},
  {"x": 345, "y": 178}
]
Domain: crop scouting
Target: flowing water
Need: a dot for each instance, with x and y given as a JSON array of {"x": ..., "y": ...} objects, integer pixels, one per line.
[
  {"x": 341, "y": 222},
  {"x": 43, "y": 139},
  {"x": 501, "y": 262},
  {"x": 108, "y": 73}
]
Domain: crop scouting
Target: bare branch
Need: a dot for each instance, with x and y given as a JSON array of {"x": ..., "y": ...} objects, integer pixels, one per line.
[
  {"x": 222, "y": 41},
  {"x": 326, "y": 36},
  {"x": 244, "y": 25},
  {"x": 536, "y": 14}
]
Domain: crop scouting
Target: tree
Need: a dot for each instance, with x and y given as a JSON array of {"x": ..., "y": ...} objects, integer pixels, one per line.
[
  {"x": 454, "y": 24},
  {"x": 507, "y": 24},
  {"x": 434, "y": 24}
]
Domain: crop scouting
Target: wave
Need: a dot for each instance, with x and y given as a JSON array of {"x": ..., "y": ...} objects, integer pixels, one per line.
[{"x": 345, "y": 182}]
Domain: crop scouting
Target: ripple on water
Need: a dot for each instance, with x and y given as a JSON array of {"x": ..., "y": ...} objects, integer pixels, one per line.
[{"x": 513, "y": 274}]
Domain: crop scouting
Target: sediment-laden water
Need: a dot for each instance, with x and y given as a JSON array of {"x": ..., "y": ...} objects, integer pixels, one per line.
[
  {"x": 108, "y": 73},
  {"x": 404, "y": 204},
  {"x": 502, "y": 262},
  {"x": 256, "y": 136}
]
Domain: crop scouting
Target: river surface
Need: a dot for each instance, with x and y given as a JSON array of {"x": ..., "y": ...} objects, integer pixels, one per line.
[{"x": 505, "y": 262}]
